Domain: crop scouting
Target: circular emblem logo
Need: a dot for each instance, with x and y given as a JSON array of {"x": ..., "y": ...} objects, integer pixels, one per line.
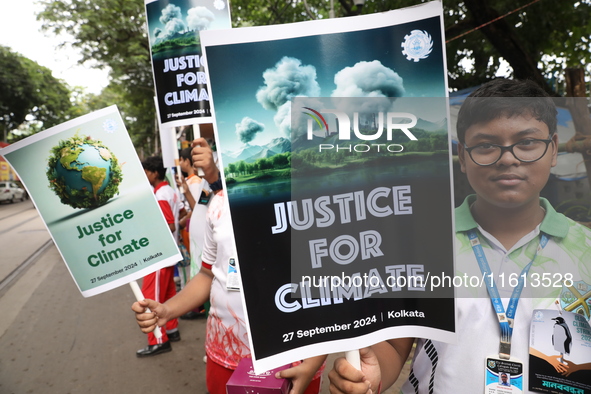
[
  {"x": 417, "y": 45},
  {"x": 109, "y": 126}
]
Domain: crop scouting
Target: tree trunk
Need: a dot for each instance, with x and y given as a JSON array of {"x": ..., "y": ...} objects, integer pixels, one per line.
[
  {"x": 502, "y": 36},
  {"x": 575, "y": 87}
]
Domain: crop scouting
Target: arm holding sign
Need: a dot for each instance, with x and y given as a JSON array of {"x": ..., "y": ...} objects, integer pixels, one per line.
[
  {"x": 380, "y": 367},
  {"x": 194, "y": 294},
  {"x": 302, "y": 374},
  {"x": 182, "y": 185},
  {"x": 203, "y": 158}
]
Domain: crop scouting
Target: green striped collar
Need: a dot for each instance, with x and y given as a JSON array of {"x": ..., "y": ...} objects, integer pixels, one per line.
[{"x": 554, "y": 223}]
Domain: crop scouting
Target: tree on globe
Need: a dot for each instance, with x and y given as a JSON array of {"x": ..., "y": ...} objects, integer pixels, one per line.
[{"x": 83, "y": 172}]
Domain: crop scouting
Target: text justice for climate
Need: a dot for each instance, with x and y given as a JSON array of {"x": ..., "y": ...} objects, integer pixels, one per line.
[
  {"x": 185, "y": 77},
  {"x": 380, "y": 202},
  {"x": 350, "y": 206},
  {"x": 107, "y": 222},
  {"x": 346, "y": 205}
]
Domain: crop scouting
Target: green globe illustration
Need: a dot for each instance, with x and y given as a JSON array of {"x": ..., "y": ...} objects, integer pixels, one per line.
[{"x": 83, "y": 172}]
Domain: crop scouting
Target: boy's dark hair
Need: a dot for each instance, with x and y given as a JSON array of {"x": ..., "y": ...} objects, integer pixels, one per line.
[
  {"x": 155, "y": 164},
  {"x": 489, "y": 102},
  {"x": 186, "y": 154}
]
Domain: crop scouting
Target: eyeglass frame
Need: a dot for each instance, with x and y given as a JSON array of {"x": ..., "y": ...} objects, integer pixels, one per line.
[{"x": 510, "y": 149}]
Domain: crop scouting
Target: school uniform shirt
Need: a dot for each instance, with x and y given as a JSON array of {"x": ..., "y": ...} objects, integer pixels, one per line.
[
  {"x": 197, "y": 222},
  {"x": 170, "y": 204},
  {"x": 226, "y": 338},
  {"x": 460, "y": 368}
]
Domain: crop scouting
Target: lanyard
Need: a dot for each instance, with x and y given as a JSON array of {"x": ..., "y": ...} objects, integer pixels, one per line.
[{"x": 505, "y": 317}]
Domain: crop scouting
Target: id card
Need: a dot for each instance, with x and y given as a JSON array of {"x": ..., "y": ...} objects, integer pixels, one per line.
[
  {"x": 204, "y": 198},
  {"x": 233, "y": 280},
  {"x": 503, "y": 376}
]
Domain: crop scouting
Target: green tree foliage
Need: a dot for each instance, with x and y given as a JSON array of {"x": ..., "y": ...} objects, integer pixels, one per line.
[
  {"x": 112, "y": 34},
  {"x": 29, "y": 95},
  {"x": 264, "y": 164},
  {"x": 231, "y": 170},
  {"x": 538, "y": 41},
  {"x": 281, "y": 160},
  {"x": 241, "y": 167}
]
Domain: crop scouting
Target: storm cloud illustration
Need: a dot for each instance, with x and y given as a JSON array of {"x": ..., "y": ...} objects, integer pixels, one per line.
[
  {"x": 199, "y": 18},
  {"x": 368, "y": 79},
  {"x": 247, "y": 129},
  {"x": 288, "y": 79}
]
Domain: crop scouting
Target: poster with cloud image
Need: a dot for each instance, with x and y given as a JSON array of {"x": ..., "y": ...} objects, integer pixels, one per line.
[
  {"x": 182, "y": 93},
  {"x": 333, "y": 140},
  {"x": 90, "y": 189}
]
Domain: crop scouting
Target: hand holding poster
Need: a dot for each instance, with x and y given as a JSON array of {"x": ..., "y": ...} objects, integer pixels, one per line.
[
  {"x": 331, "y": 163},
  {"x": 89, "y": 187}
]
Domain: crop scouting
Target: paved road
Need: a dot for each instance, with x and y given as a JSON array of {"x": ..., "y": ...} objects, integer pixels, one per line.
[{"x": 53, "y": 340}]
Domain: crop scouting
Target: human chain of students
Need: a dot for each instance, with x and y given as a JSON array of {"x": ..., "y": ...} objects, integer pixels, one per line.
[{"x": 423, "y": 282}]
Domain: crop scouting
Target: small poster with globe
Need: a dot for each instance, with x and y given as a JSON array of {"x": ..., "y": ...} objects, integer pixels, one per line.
[{"x": 89, "y": 187}]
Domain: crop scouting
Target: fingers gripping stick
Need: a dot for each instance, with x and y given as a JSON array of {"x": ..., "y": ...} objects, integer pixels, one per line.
[{"x": 137, "y": 292}]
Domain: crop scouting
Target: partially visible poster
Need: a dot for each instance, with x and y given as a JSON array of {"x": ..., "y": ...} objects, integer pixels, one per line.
[
  {"x": 334, "y": 143},
  {"x": 92, "y": 193},
  {"x": 6, "y": 172},
  {"x": 560, "y": 349},
  {"x": 177, "y": 62}
]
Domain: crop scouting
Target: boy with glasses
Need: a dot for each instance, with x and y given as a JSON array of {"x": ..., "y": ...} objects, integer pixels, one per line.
[{"x": 507, "y": 146}]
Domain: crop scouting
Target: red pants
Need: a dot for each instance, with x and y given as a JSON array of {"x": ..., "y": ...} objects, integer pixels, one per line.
[
  {"x": 217, "y": 376},
  {"x": 159, "y": 286}
]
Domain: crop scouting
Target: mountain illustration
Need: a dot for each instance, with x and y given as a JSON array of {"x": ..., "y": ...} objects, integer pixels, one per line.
[
  {"x": 433, "y": 127},
  {"x": 250, "y": 153},
  {"x": 279, "y": 145},
  {"x": 178, "y": 39}
]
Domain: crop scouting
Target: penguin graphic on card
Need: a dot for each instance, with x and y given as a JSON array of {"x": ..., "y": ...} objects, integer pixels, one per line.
[{"x": 561, "y": 337}]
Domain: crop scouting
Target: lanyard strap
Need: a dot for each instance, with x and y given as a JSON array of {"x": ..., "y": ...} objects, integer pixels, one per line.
[{"x": 505, "y": 317}]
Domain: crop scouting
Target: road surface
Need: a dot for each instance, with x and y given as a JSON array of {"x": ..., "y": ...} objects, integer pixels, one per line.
[{"x": 53, "y": 340}]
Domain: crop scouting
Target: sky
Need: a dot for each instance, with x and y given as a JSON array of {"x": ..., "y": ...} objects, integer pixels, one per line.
[{"x": 20, "y": 31}]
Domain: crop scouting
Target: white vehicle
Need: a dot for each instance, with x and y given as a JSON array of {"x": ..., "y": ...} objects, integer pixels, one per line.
[{"x": 10, "y": 191}]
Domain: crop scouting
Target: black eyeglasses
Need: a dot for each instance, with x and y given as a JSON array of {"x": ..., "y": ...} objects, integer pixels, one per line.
[{"x": 526, "y": 151}]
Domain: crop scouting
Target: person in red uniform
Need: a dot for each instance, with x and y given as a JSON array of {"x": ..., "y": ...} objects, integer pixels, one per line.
[
  {"x": 226, "y": 340},
  {"x": 160, "y": 285}
]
